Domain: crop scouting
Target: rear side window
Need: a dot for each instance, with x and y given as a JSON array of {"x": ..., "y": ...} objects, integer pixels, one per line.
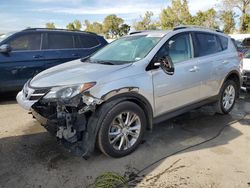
[
  {"x": 86, "y": 41},
  {"x": 25, "y": 42},
  {"x": 207, "y": 44},
  {"x": 60, "y": 41},
  {"x": 224, "y": 42}
]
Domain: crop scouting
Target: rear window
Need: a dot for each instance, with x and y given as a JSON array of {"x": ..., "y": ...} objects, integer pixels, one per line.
[
  {"x": 224, "y": 42},
  {"x": 86, "y": 41},
  {"x": 25, "y": 42},
  {"x": 207, "y": 44},
  {"x": 60, "y": 41}
]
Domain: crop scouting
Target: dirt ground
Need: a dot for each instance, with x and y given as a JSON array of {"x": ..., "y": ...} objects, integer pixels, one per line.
[{"x": 31, "y": 157}]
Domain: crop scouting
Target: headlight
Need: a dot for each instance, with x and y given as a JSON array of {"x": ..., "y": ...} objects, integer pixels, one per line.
[{"x": 67, "y": 92}]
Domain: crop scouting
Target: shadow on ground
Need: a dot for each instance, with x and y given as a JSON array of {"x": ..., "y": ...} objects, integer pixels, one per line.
[
  {"x": 36, "y": 160},
  {"x": 8, "y": 98}
]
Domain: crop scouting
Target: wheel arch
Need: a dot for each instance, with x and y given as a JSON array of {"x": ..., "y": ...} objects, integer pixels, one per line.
[
  {"x": 235, "y": 76},
  {"x": 138, "y": 99}
]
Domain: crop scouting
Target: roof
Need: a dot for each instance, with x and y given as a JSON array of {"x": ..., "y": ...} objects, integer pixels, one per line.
[{"x": 63, "y": 30}]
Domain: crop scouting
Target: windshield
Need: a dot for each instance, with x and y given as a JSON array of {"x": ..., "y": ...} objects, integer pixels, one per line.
[
  {"x": 126, "y": 50},
  {"x": 4, "y": 36}
]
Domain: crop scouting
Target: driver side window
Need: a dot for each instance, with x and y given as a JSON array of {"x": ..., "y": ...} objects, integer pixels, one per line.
[
  {"x": 26, "y": 42},
  {"x": 178, "y": 48}
]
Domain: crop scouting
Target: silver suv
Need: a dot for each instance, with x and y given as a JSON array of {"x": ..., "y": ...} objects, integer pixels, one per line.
[{"x": 110, "y": 98}]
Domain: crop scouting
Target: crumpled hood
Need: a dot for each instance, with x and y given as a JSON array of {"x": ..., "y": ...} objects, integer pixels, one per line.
[
  {"x": 74, "y": 72},
  {"x": 246, "y": 64}
]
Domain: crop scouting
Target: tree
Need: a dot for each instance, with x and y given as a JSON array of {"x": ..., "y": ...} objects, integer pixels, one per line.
[
  {"x": 243, "y": 6},
  {"x": 146, "y": 22},
  {"x": 111, "y": 26},
  {"x": 247, "y": 20},
  {"x": 75, "y": 25},
  {"x": 124, "y": 29},
  {"x": 176, "y": 14},
  {"x": 93, "y": 27},
  {"x": 227, "y": 19},
  {"x": 206, "y": 18},
  {"x": 50, "y": 25}
]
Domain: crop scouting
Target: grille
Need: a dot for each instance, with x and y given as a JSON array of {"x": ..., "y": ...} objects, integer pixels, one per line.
[
  {"x": 34, "y": 94},
  {"x": 41, "y": 91}
]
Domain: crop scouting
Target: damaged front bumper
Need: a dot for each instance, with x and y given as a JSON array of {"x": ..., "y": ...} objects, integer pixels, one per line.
[
  {"x": 23, "y": 101},
  {"x": 69, "y": 121}
]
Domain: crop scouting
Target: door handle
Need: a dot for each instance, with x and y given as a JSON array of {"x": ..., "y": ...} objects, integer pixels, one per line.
[
  {"x": 75, "y": 55},
  {"x": 37, "y": 56},
  {"x": 225, "y": 62},
  {"x": 194, "y": 69}
]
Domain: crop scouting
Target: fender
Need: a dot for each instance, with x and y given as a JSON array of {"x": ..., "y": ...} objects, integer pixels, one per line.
[{"x": 234, "y": 75}]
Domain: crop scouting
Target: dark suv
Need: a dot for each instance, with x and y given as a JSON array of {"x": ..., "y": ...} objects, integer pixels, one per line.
[{"x": 24, "y": 54}]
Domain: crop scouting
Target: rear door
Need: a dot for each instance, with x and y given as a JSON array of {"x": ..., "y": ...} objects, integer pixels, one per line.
[
  {"x": 24, "y": 61},
  {"x": 211, "y": 61},
  {"x": 58, "y": 48}
]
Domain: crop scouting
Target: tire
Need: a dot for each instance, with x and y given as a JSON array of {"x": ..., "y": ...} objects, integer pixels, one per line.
[
  {"x": 223, "y": 107},
  {"x": 114, "y": 130}
]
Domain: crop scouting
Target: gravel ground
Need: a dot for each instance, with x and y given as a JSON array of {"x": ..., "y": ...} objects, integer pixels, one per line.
[{"x": 31, "y": 157}]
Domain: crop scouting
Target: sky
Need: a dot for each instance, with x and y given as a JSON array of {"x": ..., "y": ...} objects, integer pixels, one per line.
[{"x": 20, "y": 14}]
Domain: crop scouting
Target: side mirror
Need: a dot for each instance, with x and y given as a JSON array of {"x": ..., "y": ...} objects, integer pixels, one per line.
[
  {"x": 166, "y": 64},
  {"x": 5, "y": 48}
]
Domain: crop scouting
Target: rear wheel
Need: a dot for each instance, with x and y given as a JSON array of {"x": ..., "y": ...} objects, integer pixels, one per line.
[
  {"x": 122, "y": 129},
  {"x": 227, "y": 97}
]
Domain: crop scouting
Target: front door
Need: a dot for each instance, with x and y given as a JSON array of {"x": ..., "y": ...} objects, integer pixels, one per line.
[
  {"x": 183, "y": 87},
  {"x": 22, "y": 63}
]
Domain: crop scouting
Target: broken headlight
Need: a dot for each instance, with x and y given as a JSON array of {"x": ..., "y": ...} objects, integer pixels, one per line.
[{"x": 67, "y": 92}]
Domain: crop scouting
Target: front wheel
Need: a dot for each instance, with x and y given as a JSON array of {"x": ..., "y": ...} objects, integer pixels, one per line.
[
  {"x": 227, "y": 97},
  {"x": 122, "y": 129}
]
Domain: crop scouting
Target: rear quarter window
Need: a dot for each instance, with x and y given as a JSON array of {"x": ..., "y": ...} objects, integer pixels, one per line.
[
  {"x": 86, "y": 41},
  {"x": 207, "y": 44}
]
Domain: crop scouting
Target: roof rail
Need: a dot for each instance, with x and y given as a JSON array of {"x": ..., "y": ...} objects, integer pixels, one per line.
[
  {"x": 135, "y": 32},
  {"x": 55, "y": 29},
  {"x": 143, "y": 31},
  {"x": 195, "y": 26}
]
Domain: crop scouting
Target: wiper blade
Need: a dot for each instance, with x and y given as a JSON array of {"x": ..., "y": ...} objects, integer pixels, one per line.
[
  {"x": 105, "y": 62},
  {"x": 85, "y": 58}
]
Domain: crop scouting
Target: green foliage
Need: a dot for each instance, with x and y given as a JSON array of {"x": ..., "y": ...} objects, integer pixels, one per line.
[
  {"x": 247, "y": 23},
  {"x": 228, "y": 22},
  {"x": 124, "y": 29},
  {"x": 206, "y": 18},
  {"x": 109, "y": 180},
  {"x": 176, "y": 14},
  {"x": 94, "y": 27},
  {"x": 146, "y": 22},
  {"x": 243, "y": 6},
  {"x": 75, "y": 25},
  {"x": 50, "y": 25},
  {"x": 112, "y": 26}
]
